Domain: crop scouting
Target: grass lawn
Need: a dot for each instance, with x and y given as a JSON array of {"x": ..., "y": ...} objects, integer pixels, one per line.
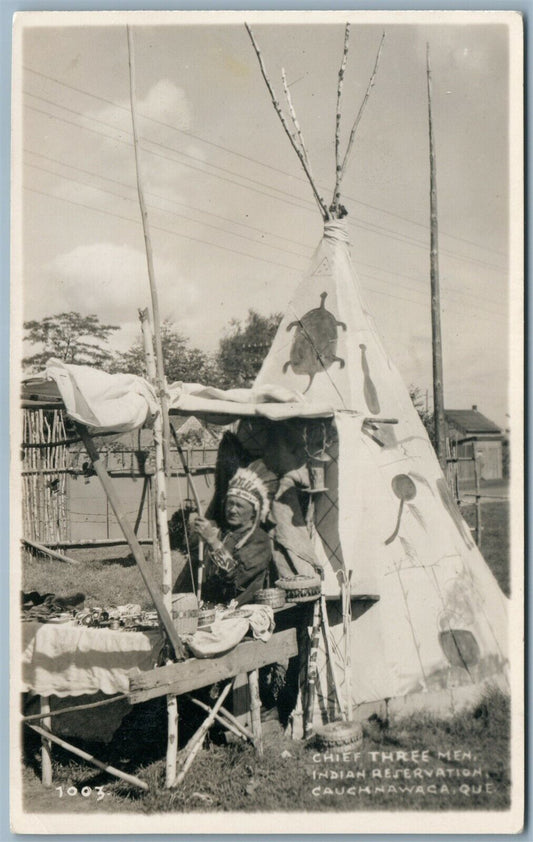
[
  {"x": 495, "y": 541},
  {"x": 420, "y": 763},
  {"x": 107, "y": 576},
  {"x": 290, "y": 776}
]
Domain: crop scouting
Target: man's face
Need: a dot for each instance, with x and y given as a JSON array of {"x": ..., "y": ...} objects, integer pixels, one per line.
[{"x": 238, "y": 512}]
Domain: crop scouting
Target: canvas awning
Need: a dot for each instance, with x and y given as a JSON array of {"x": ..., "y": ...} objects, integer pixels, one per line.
[{"x": 124, "y": 402}]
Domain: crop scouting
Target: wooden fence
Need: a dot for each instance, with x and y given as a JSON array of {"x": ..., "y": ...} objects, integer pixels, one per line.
[{"x": 44, "y": 476}]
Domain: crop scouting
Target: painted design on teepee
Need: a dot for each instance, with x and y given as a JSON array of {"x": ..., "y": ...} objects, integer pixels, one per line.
[
  {"x": 323, "y": 268},
  {"x": 369, "y": 390},
  {"x": 314, "y": 345},
  {"x": 405, "y": 490},
  {"x": 460, "y": 647}
]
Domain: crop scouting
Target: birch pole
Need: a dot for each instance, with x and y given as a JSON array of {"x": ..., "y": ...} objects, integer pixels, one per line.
[
  {"x": 360, "y": 114},
  {"x": 338, "y": 166},
  {"x": 301, "y": 154},
  {"x": 160, "y": 369},
  {"x": 162, "y": 544}
]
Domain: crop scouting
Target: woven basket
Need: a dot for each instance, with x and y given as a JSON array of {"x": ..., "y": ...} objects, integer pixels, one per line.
[
  {"x": 185, "y": 612},
  {"x": 300, "y": 588},
  {"x": 275, "y": 597},
  {"x": 339, "y": 736}
]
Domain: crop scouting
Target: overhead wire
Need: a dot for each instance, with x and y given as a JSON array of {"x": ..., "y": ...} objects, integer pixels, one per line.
[
  {"x": 304, "y": 204},
  {"x": 449, "y": 289},
  {"x": 255, "y": 242},
  {"x": 187, "y": 205},
  {"x": 205, "y": 242},
  {"x": 164, "y": 146},
  {"x": 260, "y": 163},
  {"x": 160, "y": 228},
  {"x": 171, "y": 213}
]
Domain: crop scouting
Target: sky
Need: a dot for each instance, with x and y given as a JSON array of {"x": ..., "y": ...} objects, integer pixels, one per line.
[{"x": 232, "y": 218}]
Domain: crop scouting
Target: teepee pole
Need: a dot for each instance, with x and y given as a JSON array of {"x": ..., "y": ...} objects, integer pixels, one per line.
[
  {"x": 294, "y": 119},
  {"x": 359, "y": 115},
  {"x": 161, "y": 382},
  {"x": 301, "y": 155},
  {"x": 438, "y": 385},
  {"x": 338, "y": 166}
]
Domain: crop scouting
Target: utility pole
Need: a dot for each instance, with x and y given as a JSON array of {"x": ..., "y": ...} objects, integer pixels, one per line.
[{"x": 438, "y": 388}]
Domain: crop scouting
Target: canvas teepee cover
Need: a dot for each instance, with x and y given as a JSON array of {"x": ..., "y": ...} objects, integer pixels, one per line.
[{"x": 388, "y": 515}]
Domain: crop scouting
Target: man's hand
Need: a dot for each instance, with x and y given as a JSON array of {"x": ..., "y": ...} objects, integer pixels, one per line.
[{"x": 206, "y": 530}]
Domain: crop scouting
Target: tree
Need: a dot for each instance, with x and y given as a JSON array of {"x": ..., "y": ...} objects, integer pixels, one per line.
[
  {"x": 70, "y": 337},
  {"x": 181, "y": 361},
  {"x": 419, "y": 402},
  {"x": 242, "y": 351}
]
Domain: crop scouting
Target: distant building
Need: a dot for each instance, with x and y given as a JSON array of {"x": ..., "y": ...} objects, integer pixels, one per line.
[{"x": 469, "y": 429}]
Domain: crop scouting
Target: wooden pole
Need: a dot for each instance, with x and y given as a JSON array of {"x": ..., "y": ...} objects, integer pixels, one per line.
[
  {"x": 161, "y": 382},
  {"x": 312, "y": 671},
  {"x": 357, "y": 120},
  {"x": 225, "y": 719},
  {"x": 131, "y": 779},
  {"x": 478, "y": 496},
  {"x": 46, "y": 745},
  {"x": 160, "y": 479},
  {"x": 347, "y": 619},
  {"x": 141, "y": 505},
  {"x": 301, "y": 155},
  {"x": 35, "y": 717},
  {"x": 326, "y": 632},
  {"x": 255, "y": 709},
  {"x": 195, "y": 743},
  {"x": 338, "y": 165},
  {"x": 438, "y": 384},
  {"x": 131, "y": 538},
  {"x": 164, "y": 543},
  {"x": 200, "y": 571},
  {"x": 48, "y": 551}
]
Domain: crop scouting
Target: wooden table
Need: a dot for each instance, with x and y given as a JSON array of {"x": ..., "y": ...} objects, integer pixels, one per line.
[{"x": 241, "y": 663}]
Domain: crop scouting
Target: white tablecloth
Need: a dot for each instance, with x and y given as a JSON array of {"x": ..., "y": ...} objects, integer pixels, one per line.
[{"x": 70, "y": 660}]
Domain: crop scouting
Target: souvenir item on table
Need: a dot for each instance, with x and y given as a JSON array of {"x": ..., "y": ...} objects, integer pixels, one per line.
[
  {"x": 275, "y": 597},
  {"x": 44, "y": 608},
  {"x": 185, "y": 612},
  {"x": 300, "y": 588},
  {"x": 206, "y": 616}
]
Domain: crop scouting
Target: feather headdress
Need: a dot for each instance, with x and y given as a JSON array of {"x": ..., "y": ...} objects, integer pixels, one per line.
[{"x": 248, "y": 486}]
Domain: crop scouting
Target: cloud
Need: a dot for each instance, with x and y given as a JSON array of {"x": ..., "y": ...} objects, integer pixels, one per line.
[
  {"x": 112, "y": 281},
  {"x": 164, "y": 114},
  {"x": 167, "y": 103}
]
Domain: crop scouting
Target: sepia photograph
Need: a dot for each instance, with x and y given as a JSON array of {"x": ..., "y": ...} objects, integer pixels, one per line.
[{"x": 267, "y": 527}]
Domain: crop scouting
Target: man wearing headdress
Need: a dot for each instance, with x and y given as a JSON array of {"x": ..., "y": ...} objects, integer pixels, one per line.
[{"x": 239, "y": 553}]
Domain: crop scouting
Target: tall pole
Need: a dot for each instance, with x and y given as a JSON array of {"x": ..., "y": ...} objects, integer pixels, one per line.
[
  {"x": 161, "y": 381},
  {"x": 438, "y": 387},
  {"x": 163, "y": 544}
]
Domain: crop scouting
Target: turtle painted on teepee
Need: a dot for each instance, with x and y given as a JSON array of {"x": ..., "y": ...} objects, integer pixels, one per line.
[
  {"x": 387, "y": 520},
  {"x": 315, "y": 342}
]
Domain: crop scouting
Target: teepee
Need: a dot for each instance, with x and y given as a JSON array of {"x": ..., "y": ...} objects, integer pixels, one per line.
[{"x": 387, "y": 519}]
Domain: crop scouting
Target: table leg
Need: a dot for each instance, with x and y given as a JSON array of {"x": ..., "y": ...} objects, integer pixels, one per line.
[
  {"x": 46, "y": 745},
  {"x": 172, "y": 740},
  {"x": 255, "y": 709},
  {"x": 241, "y": 700}
]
